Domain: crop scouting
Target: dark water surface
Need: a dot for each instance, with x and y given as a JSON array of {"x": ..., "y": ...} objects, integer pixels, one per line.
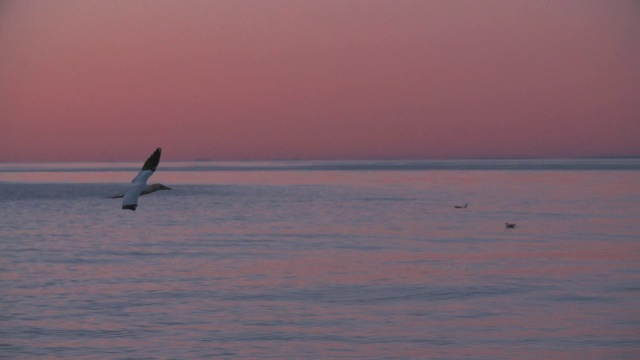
[{"x": 292, "y": 260}]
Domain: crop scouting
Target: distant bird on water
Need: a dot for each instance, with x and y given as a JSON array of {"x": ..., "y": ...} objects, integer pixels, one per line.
[
  {"x": 139, "y": 183},
  {"x": 509, "y": 226},
  {"x": 461, "y": 206}
]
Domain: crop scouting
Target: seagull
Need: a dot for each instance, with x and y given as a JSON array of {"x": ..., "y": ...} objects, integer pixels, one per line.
[
  {"x": 139, "y": 183},
  {"x": 461, "y": 207},
  {"x": 509, "y": 226}
]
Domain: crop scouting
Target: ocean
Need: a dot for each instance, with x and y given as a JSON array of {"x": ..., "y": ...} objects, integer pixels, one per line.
[{"x": 322, "y": 260}]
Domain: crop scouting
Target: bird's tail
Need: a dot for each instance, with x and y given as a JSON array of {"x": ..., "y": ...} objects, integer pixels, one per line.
[{"x": 115, "y": 196}]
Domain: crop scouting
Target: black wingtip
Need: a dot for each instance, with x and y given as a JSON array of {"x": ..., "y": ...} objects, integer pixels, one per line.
[
  {"x": 153, "y": 160},
  {"x": 129, "y": 207}
]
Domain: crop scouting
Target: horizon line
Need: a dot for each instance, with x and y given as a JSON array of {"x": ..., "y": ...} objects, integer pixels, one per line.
[{"x": 604, "y": 157}]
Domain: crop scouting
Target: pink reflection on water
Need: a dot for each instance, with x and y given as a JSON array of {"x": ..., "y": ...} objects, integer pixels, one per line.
[
  {"x": 124, "y": 177},
  {"x": 394, "y": 273}
]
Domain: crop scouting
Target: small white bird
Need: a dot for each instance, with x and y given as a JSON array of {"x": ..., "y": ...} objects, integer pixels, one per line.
[{"x": 139, "y": 183}]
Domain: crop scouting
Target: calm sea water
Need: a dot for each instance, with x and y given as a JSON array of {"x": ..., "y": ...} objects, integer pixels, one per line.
[{"x": 322, "y": 260}]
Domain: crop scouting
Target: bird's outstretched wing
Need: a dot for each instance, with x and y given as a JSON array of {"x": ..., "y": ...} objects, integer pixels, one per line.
[
  {"x": 147, "y": 169},
  {"x": 138, "y": 184},
  {"x": 130, "y": 198}
]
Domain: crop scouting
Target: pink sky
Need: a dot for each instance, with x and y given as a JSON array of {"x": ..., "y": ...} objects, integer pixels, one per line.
[{"x": 307, "y": 79}]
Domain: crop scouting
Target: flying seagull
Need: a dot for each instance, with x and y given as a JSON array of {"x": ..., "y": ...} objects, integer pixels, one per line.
[
  {"x": 461, "y": 206},
  {"x": 139, "y": 183}
]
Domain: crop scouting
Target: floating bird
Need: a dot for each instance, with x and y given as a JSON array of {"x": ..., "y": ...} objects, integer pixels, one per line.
[
  {"x": 139, "y": 183},
  {"x": 461, "y": 206},
  {"x": 509, "y": 226}
]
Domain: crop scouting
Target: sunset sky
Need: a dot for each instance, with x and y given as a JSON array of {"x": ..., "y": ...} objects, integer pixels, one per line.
[{"x": 91, "y": 80}]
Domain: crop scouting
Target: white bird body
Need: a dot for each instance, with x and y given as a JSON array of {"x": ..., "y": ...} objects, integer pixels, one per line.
[{"x": 139, "y": 183}]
